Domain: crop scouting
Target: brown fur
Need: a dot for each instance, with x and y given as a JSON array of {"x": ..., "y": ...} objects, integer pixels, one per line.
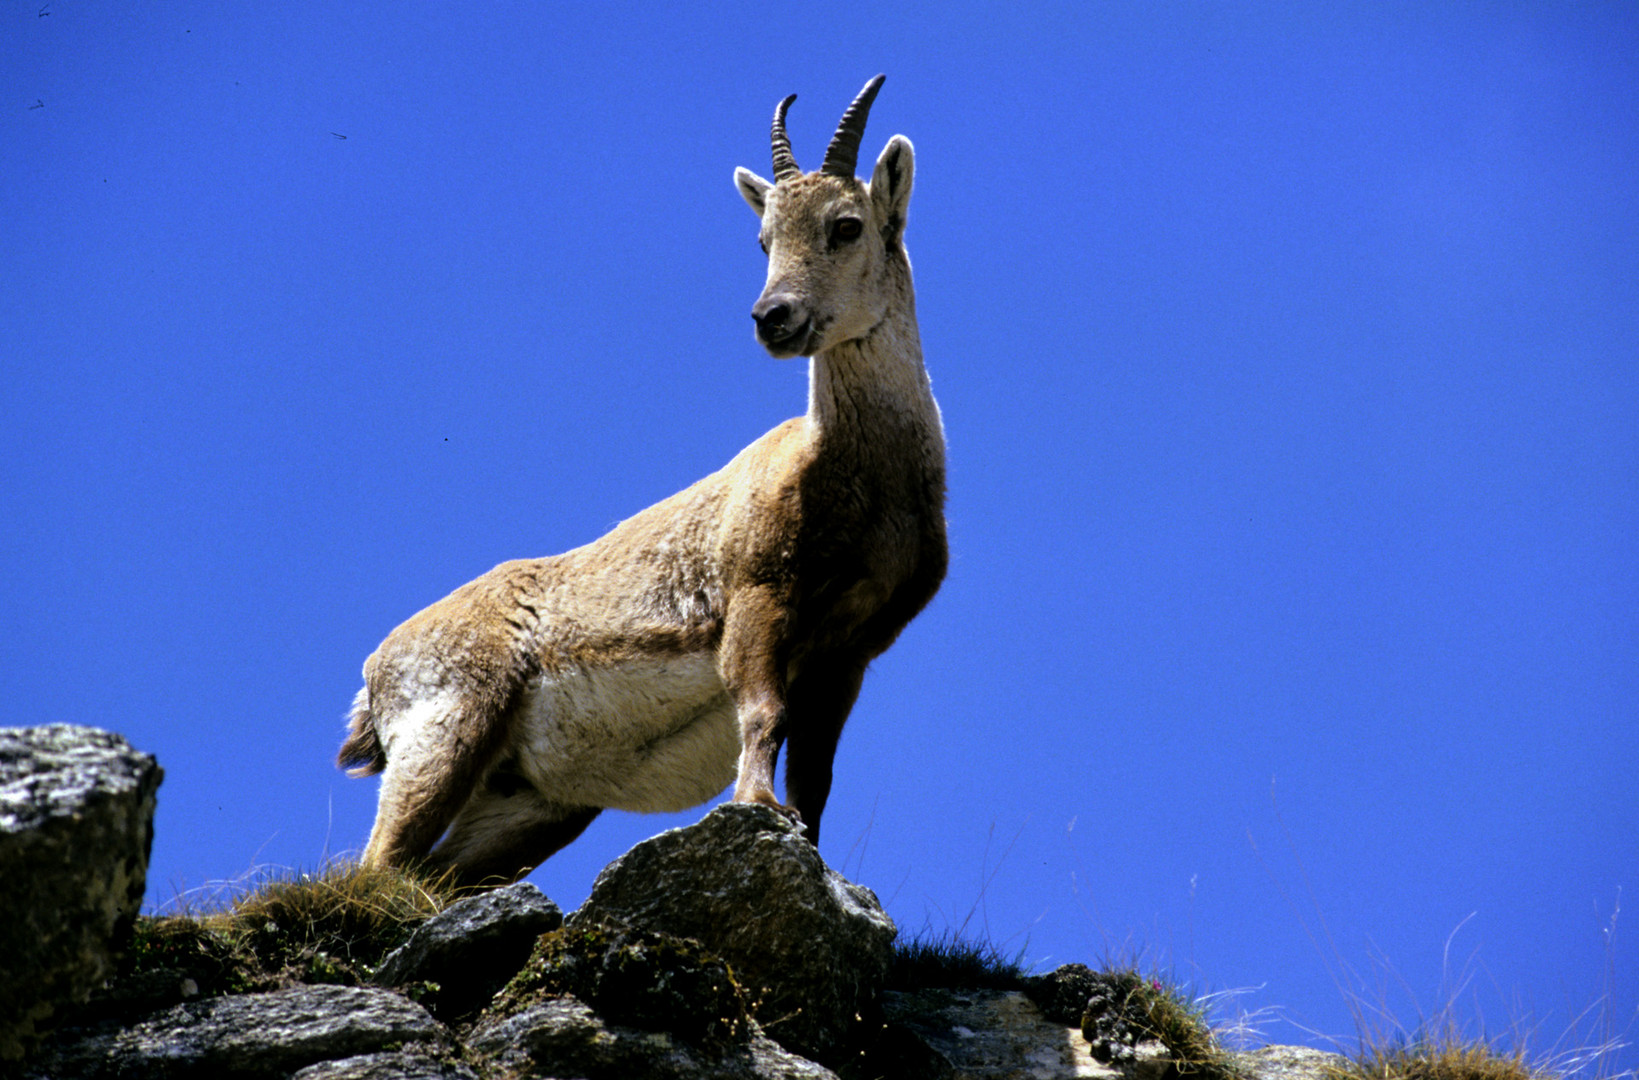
[{"x": 790, "y": 569}]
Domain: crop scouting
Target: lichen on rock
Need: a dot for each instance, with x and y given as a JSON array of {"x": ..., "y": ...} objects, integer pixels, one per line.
[
  {"x": 76, "y": 826},
  {"x": 811, "y": 948}
]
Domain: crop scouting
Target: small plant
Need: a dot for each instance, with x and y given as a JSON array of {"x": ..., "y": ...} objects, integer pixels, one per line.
[
  {"x": 177, "y": 955},
  {"x": 1168, "y": 1014}
]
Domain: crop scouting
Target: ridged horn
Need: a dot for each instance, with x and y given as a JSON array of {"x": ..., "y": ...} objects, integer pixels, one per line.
[
  {"x": 785, "y": 166},
  {"x": 842, "y": 155}
]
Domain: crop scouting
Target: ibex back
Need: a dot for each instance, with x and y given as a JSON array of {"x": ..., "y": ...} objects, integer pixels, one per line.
[{"x": 650, "y": 668}]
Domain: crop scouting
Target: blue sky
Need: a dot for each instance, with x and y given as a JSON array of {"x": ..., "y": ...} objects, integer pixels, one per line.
[{"x": 1288, "y": 363}]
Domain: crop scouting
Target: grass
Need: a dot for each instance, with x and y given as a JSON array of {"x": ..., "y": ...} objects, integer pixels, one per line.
[
  {"x": 1441, "y": 1058},
  {"x": 1119, "y": 1006},
  {"x": 347, "y": 911},
  {"x": 1441, "y": 1047},
  {"x": 947, "y": 960},
  {"x": 337, "y": 923},
  {"x": 1174, "y": 1019},
  {"x": 1127, "y": 1006},
  {"x": 329, "y": 926}
]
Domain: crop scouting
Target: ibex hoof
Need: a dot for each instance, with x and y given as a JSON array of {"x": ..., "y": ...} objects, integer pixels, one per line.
[{"x": 766, "y": 798}]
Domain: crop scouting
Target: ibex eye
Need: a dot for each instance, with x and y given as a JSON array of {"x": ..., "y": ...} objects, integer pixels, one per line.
[{"x": 846, "y": 230}]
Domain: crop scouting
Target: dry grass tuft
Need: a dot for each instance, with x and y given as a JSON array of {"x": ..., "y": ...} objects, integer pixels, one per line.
[
  {"x": 1158, "y": 1009},
  {"x": 327, "y": 926},
  {"x": 1445, "y": 1058},
  {"x": 350, "y": 912}
]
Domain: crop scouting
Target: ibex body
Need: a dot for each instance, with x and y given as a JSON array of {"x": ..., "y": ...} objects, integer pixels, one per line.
[{"x": 651, "y": 668}]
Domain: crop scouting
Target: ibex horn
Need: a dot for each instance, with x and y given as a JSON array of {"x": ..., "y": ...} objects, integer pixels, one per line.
[
  {"x": 843, "y": 154},
  {"x": 785, "y": 166}
]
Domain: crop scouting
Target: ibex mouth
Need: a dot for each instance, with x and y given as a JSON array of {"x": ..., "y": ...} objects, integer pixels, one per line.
[
  {"x": 784, "y": 343},
  {"x": 784, "y": 325}
]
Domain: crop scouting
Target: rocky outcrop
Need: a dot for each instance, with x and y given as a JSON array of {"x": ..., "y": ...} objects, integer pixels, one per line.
[
  {"x": 1289, "y": 1063},
  {"x": 402, "y": 1065},
  {"x": 811, "y": 948},
  {"x": 247, "y": 1036},
  {"x": 723, "y": 950},
  {"x": 76, "y": 825},
  {"x": 471, "y": 948},
  {"x": 564, "y": 1037},
  {"x": 636, "y": 978},
  {"x": 997, "y": 1034}
]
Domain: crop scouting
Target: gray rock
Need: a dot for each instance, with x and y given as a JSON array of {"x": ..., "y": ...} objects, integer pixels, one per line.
[
  {"x": 471, "y": 948},
  {"x": 1003, "y": 1035},
  {"x": 247, "y": 1036},
  {"x": 1287, "y": 1063},
  {"x": 811, "y": 948},
  {"x": 1106, "y": 1005},
  {"x": 391, "y": 1066},
  {"x": 635, "y": 978},
  {"x": 563, "y": 1037},
  {"x": 1063, "y": 993},
  {"x": 894, "y": 1050},
  {"x": 76, "y": 825}
]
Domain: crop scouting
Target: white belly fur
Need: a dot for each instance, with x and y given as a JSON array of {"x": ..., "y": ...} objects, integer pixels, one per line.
[{"x": 647, "y": 735}]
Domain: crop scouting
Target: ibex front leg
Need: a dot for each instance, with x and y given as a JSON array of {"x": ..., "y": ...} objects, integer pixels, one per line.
[
  {"x": 817, "y": 706},
  {"x": 753, "y": 668}
]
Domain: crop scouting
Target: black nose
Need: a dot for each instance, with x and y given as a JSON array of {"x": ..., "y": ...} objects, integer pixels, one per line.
[{"x": 774, "y": 315}]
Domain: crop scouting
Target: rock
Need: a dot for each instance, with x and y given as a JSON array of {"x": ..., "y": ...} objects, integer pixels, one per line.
[
  {"x": 1119, "y": 1014},
  {"x": 392, "y": 1066},
  {"x": 1288, "y": 1063},
  {"x": 471, "y": 948},
  {"x": 896, "y": 1051},
  {"x": 246, "y": 1037},
  {"x": 563, "y": 1037},
  {"x": 1063, "y": 993},
  {"x": 811, "y": 949},
  {"x": 1106, "y": 1006},
  {"x": 1003, "y": 1035},
  {"x": 76, "y": 825},
  {"x": 636, "y": 978}
]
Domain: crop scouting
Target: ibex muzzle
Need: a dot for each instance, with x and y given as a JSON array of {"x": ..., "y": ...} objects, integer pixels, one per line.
[{"x": 783, "y": 324}]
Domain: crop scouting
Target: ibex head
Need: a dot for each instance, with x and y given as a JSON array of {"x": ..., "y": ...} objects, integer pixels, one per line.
[{"x": 835, "y": 260}]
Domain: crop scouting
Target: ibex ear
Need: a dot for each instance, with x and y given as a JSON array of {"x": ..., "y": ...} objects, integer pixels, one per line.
[
  {"x": 891, "y": 186},
  {"x": 753, "y": 189}
]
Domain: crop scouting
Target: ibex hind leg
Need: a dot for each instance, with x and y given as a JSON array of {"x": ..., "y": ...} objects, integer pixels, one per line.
[
  {"x": 428, "y": 777},
  {"x": 501, "y": 835}
]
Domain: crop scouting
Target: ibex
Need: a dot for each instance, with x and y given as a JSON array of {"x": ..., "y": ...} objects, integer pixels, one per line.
[{"x": 649, "y": 669}]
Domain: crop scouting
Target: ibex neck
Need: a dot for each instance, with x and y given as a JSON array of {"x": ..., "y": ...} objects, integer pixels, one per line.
[{"x": 853, "y": 385}]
